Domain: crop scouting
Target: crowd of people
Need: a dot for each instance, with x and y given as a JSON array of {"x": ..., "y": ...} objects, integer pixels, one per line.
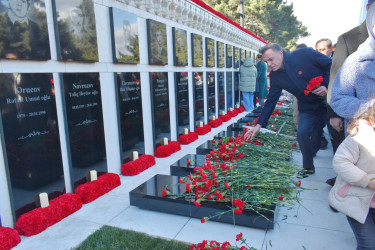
[{"x": 333, "y": 86}]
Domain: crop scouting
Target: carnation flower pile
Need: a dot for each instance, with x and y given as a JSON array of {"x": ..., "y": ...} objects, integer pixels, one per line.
[
  {"x": 203, "y": 130},
  {"x": 9, "y": 238},
  {"x": 313, "y": 84},
  {"x": 138, "y": 166},
  {"x": 166, "y": 150},
  {"x": 254, "y": 176},
  {"x": 214, "y": 245}
]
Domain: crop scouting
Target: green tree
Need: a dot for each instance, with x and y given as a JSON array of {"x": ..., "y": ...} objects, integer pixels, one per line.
[{"x": 272, "y": 20}]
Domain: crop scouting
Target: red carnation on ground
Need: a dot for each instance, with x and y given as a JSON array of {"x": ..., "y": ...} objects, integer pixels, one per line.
[
  {"x": 281, "y": 198},
  {"x": 238, "y": 236}
]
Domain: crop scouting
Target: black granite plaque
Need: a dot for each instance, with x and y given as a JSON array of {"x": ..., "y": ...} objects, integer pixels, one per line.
[
  {"x": 160, "y": 97},
  {"x": 24, "y": 33},
  {"x": 197, "y": 51},
  {"x": 229, "y": 55},
  {"x": 243, "y": 55},
  {"x": 130, "y": 108},
  {"x": 220, "y": 54},
  {"x": 186, "y": 164},
  {"x": 157, "y": 43},
  {"x": 229, "y": 81},
  {"x": 180, "y": 50},
  {"x": 76, "y": 30},
  {"x": 198, "y": 97},
  {"x": 221, "y": 91},
  {"x": 149, "y": 196},
  {"x": 236, "y": 87},
  {"x": 210, "y": 52},
  {"x": 31, "y": 136},
  {"x": 182, "y": 101},
  {"x": 85, "y": 124},
  {"x": 236, "y": 57},
  {"x": 211, "y": 94},
  {"x": 124, "y": 36}
]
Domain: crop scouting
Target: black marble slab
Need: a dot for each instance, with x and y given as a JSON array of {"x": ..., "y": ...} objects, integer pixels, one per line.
[
  {"x": 149, "y": 196},
  {"x": 183, "y": 168}
]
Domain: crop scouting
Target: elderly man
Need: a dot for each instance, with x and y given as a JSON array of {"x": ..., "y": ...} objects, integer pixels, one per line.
[
  {"x": 293, "y": 72},
  {"x": 325, "y": 47}
]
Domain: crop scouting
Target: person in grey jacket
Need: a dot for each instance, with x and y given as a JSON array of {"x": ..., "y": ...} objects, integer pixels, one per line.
[
  {"x": 248, "y": 75},
  {"x": 354, "y": 84}
]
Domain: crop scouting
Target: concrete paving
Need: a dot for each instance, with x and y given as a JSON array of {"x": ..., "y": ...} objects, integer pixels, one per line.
[{"x": 310, "y": 226}]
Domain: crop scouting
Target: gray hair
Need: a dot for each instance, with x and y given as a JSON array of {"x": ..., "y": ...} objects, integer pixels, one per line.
[
  {"x": 274, "y": 46},
  {"x": 329, "y": 42}
]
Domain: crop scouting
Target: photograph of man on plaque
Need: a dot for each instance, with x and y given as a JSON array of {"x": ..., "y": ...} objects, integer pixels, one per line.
[
  {"x": 124, "y": 36},
  {"x": 229, "y": 58},
  {"x": 24, "y": 34},
  {"x": 157, "y": 43},
  {"x": 76, "y": 30},
  {"x": 180, "y": 51},
  {"x": 210, "y": 52},
  {"x": 197, "y": 52},
  {"x": 220, "y": 54}
]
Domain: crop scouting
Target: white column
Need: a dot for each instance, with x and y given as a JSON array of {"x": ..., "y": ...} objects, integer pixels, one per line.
[
  {"x": 171, "y": 87},
  {"x": 5, "y": 203}
]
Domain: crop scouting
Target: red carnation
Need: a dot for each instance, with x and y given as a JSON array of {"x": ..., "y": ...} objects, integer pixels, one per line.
[
  {"x": 197, "y": 203},
  {"x": 164, "y": 192},
  {"x": 281, "y": 198},
  {"x": 241, "y": 155},
  {"x": 238, "y": 236},
  {"x": 299, "y": 183},
  {"x": 181, "y": 180},
  {"x": 294, "y": 145},
  {"x": 226, "y": 185},
  {"x": 203, "y": 220},
  {"x": 188, "y": 188},
  {"x": 9, "y": 238},
  {"x": 313, "y": 84}
]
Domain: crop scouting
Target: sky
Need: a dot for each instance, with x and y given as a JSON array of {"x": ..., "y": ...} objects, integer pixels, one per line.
[{"x": 326, "y": 18}]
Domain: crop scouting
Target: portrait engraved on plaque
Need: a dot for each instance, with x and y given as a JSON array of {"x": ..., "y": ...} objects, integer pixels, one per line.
[
  {"x": 220, "y": 54},
  {"x": 210, "y": 52},
  {"x": 197, "y": 52},
  {"x": 157, "y": 42},
  {"x": 229, "y": 56},
  {"x": 180, "y": 50}
]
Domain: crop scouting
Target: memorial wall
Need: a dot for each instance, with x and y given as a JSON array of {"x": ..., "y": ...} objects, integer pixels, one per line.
[{"x": 85, "y": 82}]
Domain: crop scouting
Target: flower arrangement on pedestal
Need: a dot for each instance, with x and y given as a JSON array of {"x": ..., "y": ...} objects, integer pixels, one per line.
[
  {"x": 188, "y": 138},
  {"x": 90, "y": 191},
  {"x": 225, "y": 117},
  {"x": 240, "y": 109},
  {"x": 39, "y": 219},
  {"x": 138, "y": 166},
  {"x": 233, "y": 113},
  {"x": 215, "y": 123},
  {"x": 203, "y": 130},
  {"x": 254, "y": 176},
  {"x": 166, "y": 150},
  {"x": 9, "y": 238}
]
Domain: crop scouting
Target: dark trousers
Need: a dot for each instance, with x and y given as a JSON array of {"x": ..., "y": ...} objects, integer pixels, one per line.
[
  {"x": 308, "y": 135},
  {"x": 336, "y": 137},
  {"x": 364, "y": 233}
]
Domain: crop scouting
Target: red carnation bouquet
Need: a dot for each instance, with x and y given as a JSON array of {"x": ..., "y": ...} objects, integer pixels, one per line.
[
  {"x": 138, "y": 166},
  {"x": 9, "y": 238},
  {"x": 225, "y": 117},
  {"x": 240, "y": 109},
  {"x": 203, "y": 130},
  {"x": 166, "y": 150},
  {"x": 39, "y": 219},
  {"x": 215, "y": 123},
  {"x": 233, "y": 113},
  {"x": 313, "y": 84},
  {"x": 189, "y": 138},
  {"x": 90, "y": 191}
]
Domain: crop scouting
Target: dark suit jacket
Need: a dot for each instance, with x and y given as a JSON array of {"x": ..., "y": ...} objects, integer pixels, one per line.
[
  {"x": 347, "y": 44},
  {"x": 300, "y": 66}
]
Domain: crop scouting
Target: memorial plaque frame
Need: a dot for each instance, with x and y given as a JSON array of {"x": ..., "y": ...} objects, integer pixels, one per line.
[
  {"x": 26, "y": 35},
  {"x": 198, "y": 95},
  {"x": 211, "y": 94},
  {"x": 76, "y": 37},
  {"x": 236, "y": 57},
  {"x": 221, "y": 91},
  {"x": 229, "y": 88},
  {"x": 220, "y": 54},
  {"x": 180, "y": 49},
  {"x": 129, "y": 105},
  {"x": 236, "y": 87},
  {"x": 181, "y": 106},
  {"x": 32, "y": 151},
  {"x": 157, "y": 42},
  {"x": 229, "y": 55},
  {"x": 210, "y": 52},
  {"x": 197, "y": 50},
  {"x": 163, "y": 117},
  {"x": 124, "y": 32},
  {"x": 243, "y": 56}
]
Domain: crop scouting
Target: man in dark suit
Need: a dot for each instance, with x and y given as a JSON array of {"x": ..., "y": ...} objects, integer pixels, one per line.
[
  {"x": 347, "y": 44},
  {"x": 293, "y": 72}
]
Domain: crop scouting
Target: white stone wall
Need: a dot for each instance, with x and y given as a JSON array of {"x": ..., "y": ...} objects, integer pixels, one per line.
[{"x": 174, "y": 13}]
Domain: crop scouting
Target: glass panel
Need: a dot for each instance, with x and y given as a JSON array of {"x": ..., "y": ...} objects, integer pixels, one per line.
[
  {"x": 125, "y": 37},
  {"x": 197, "y": 52},
  {"x": 24, "y": 33},
  {"x": 130, "y": 108},
  {"x": 229, "y": 51},
  {"x": 180, "y": 47},
  {"x": 182, "y": 100},
  {"x": 220, "y": 55},
  {"x": 236, "y": 88},
  {"x": 159, "y": 85},
  {"x": 211, "y": 94},
  {"x": 210, "y": 52},
  {"x": 229, "y": 90},
  {"x": 157, "y": 43},
  {"x": 220, "y": 84},
  {"x": 31, "y": 134},
  {"x": 236, "y": 57},
  {"x": 85, "y": 124},
  {"x": 76, "y": 30},
  {"x": 243, "y": 55}
]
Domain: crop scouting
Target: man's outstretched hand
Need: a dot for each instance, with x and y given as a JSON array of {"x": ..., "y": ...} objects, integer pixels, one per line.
[{"x": 251, "y": 132}]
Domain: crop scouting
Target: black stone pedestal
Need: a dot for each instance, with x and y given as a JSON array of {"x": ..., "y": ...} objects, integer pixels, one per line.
[
  {"x": 182, "y": 168},
  {"x": 149, "y": 196}
]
